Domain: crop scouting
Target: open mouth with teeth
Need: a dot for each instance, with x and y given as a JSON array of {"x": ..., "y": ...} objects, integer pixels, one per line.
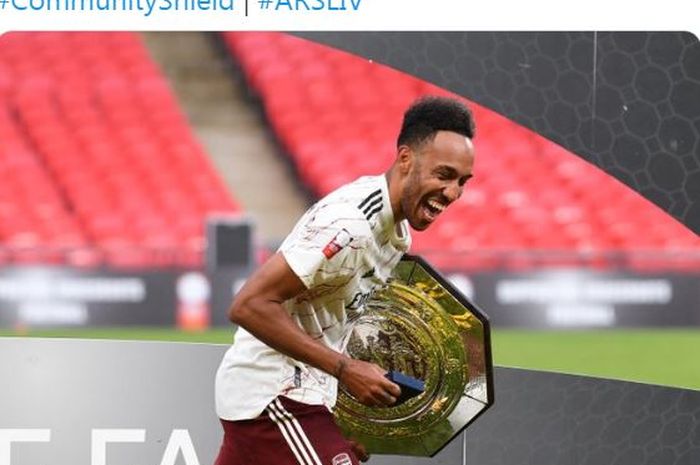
[{"x": 431, "y": 208}]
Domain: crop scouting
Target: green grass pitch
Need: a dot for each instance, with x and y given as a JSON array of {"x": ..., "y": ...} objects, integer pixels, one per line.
[{"x": 667, "y": 357}]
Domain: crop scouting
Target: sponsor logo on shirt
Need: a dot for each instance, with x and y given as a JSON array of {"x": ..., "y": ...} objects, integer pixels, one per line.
[
  {"x": 358, "y": 300},
  {"x": 341, "y": 240}
]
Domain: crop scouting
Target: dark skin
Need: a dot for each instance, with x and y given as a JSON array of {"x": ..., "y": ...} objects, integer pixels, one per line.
[
  {"x": 433, "y": 172},
  {"x": 436, "y": 170}
]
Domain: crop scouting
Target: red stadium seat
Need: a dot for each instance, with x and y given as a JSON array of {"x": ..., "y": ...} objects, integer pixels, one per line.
[
  {"x": 97, "y": 149},
  {"x": 338, "y": 114}
]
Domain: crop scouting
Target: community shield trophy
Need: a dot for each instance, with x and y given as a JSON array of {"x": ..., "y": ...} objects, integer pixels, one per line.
[{"x": 421, "y": 326}]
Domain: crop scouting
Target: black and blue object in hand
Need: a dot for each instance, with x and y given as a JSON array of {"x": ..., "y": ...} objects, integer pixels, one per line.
[{"x": 410, "y": 387}]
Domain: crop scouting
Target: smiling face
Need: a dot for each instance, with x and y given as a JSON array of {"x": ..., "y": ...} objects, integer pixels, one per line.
[{"x": 436, "y": 172}]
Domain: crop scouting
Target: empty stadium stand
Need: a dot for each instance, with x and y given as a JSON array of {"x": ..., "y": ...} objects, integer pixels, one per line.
[
  {"x": 531, "y": 203},
  {"x": 99, "y": 166}
]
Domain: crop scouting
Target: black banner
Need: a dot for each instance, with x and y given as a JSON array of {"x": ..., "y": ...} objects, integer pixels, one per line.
[
  {"x": 584, "y": 299},
  {"x": 58, "y": 296}
]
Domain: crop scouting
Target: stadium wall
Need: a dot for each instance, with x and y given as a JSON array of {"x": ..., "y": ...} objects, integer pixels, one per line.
[{"x": 192, "y": 299}]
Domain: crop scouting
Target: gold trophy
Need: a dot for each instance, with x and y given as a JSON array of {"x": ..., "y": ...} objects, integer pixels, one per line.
[{"x": 419, "y": 325}]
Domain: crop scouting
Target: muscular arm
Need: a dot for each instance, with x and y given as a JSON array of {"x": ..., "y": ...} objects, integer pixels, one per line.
[{"x": 258, "y": 308}]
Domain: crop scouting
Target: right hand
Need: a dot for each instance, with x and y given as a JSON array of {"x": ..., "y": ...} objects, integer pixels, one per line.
[{"x": 366, "y": 382}]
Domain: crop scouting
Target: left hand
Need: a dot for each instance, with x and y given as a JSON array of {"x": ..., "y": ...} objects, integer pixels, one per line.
[{"x": 359, "y": 450}]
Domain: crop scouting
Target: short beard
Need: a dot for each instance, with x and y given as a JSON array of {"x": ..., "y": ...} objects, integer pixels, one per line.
[{"x": 411, "y": 192}]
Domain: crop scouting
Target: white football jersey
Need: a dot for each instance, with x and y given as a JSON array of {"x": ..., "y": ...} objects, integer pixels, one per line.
[{"x": 344, "y": 247}]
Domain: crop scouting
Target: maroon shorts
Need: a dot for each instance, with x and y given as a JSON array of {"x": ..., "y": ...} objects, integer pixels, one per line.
[{"x": 286, "y": 433}]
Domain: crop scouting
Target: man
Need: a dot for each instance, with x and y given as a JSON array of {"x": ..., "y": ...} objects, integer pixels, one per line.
[{"x": 277, "y": 383}]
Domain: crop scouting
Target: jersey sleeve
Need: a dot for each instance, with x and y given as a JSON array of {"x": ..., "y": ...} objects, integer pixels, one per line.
[{"x": 326, "y": 245}]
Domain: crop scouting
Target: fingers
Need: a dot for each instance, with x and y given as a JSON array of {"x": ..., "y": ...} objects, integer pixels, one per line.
[
  {"x": 386, "y": 392},
  {"x": 377, "y": 397},
  {"x": 392, "y": 388},
  {"x": 367, "y": 383},
  {"x": 387, "y": 399},
  {"x": 381, "y": 397}
]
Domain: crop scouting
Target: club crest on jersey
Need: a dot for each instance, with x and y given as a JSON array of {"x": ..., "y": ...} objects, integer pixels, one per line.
[
  {"x": 341, "y": 240},
  {"x": 342, "y": 459}
]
